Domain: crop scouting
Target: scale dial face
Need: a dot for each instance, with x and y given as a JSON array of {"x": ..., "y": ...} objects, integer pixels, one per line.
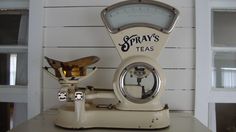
[
  {"x": 140, "y": 13},
  {"x": 139, "y": 82}
]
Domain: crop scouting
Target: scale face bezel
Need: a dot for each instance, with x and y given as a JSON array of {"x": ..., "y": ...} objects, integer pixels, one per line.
[
  {"x": 156, "y": 85},
  {"x": 147, "y": 2}
]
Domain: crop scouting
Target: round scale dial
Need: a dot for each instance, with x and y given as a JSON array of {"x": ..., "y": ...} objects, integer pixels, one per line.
[
  {"x": 135, "y": 13},
  {"x": 139, "y": 82}
]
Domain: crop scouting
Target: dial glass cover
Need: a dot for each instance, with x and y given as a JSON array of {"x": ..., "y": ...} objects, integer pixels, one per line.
[
  {"x": 139, "y": 13},
  {"x": 139, "y": 82}
]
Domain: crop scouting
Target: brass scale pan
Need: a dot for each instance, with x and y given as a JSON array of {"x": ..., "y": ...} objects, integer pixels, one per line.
[{"x": 74, "y": 68}]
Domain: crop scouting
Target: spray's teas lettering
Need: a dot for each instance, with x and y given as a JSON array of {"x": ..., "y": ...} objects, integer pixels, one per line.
[{"x": 135, "y": 39}]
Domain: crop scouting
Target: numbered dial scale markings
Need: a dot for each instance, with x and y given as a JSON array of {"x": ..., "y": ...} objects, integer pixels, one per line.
[{"x": 141, "y": 13}]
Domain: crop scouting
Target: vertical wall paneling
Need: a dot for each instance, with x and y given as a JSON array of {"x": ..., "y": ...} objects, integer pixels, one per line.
[
  {"x": 98, "y": 37},
  {"x": 176, "y": 79},
  {"x": 71, "y": 16},
  {"x": 176, "y": 99},
  {"x": 109, "y": 57},
  {"x": 59, "y": 3},
  {"x": 14, "y": 4},
  {"x": 73, "y": 29},
  {"x": 35, "y": 53}
]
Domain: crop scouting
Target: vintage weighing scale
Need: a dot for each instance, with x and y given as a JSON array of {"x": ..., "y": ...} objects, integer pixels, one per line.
[{"x": 139, "y": 30}]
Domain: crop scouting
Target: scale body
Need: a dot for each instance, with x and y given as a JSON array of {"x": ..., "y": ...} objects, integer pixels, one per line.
[{"x": 139, "y": 30}]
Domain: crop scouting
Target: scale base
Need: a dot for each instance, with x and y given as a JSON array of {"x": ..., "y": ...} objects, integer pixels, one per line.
[{"x": 111, "y": 118}]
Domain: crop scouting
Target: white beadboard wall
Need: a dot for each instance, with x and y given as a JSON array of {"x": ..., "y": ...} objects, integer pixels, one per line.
[{"x": 73, "y": 29}]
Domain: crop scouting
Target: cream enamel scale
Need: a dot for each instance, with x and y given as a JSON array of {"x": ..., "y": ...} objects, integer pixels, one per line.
[{"x": 139, "y": 30}]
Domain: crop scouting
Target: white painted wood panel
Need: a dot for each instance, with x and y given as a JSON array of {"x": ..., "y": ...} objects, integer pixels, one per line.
[
  {"x": 77, "y": 36},
  {"x": 90, "y": 16},
  {"x": 176, "y": 100},
  {"x": 99, "y": 37},
  {"x": 35, "y": 54},
  {"x": 50, "y": 99},
  {"x": 182, "y": 37},
  {"x": 53, "y": 3},
  {"x": 180, "y": 79},
  {"x": 177, "y": 58},
  {"x": 16, "y": 94},
  {"x": 179, "y": 99},
  {"x": 186, "y": 17},
  {"x": 169, "y": 57},
  {"x": 14, "y": 4},
  {"x": 102, "y": 78}
]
